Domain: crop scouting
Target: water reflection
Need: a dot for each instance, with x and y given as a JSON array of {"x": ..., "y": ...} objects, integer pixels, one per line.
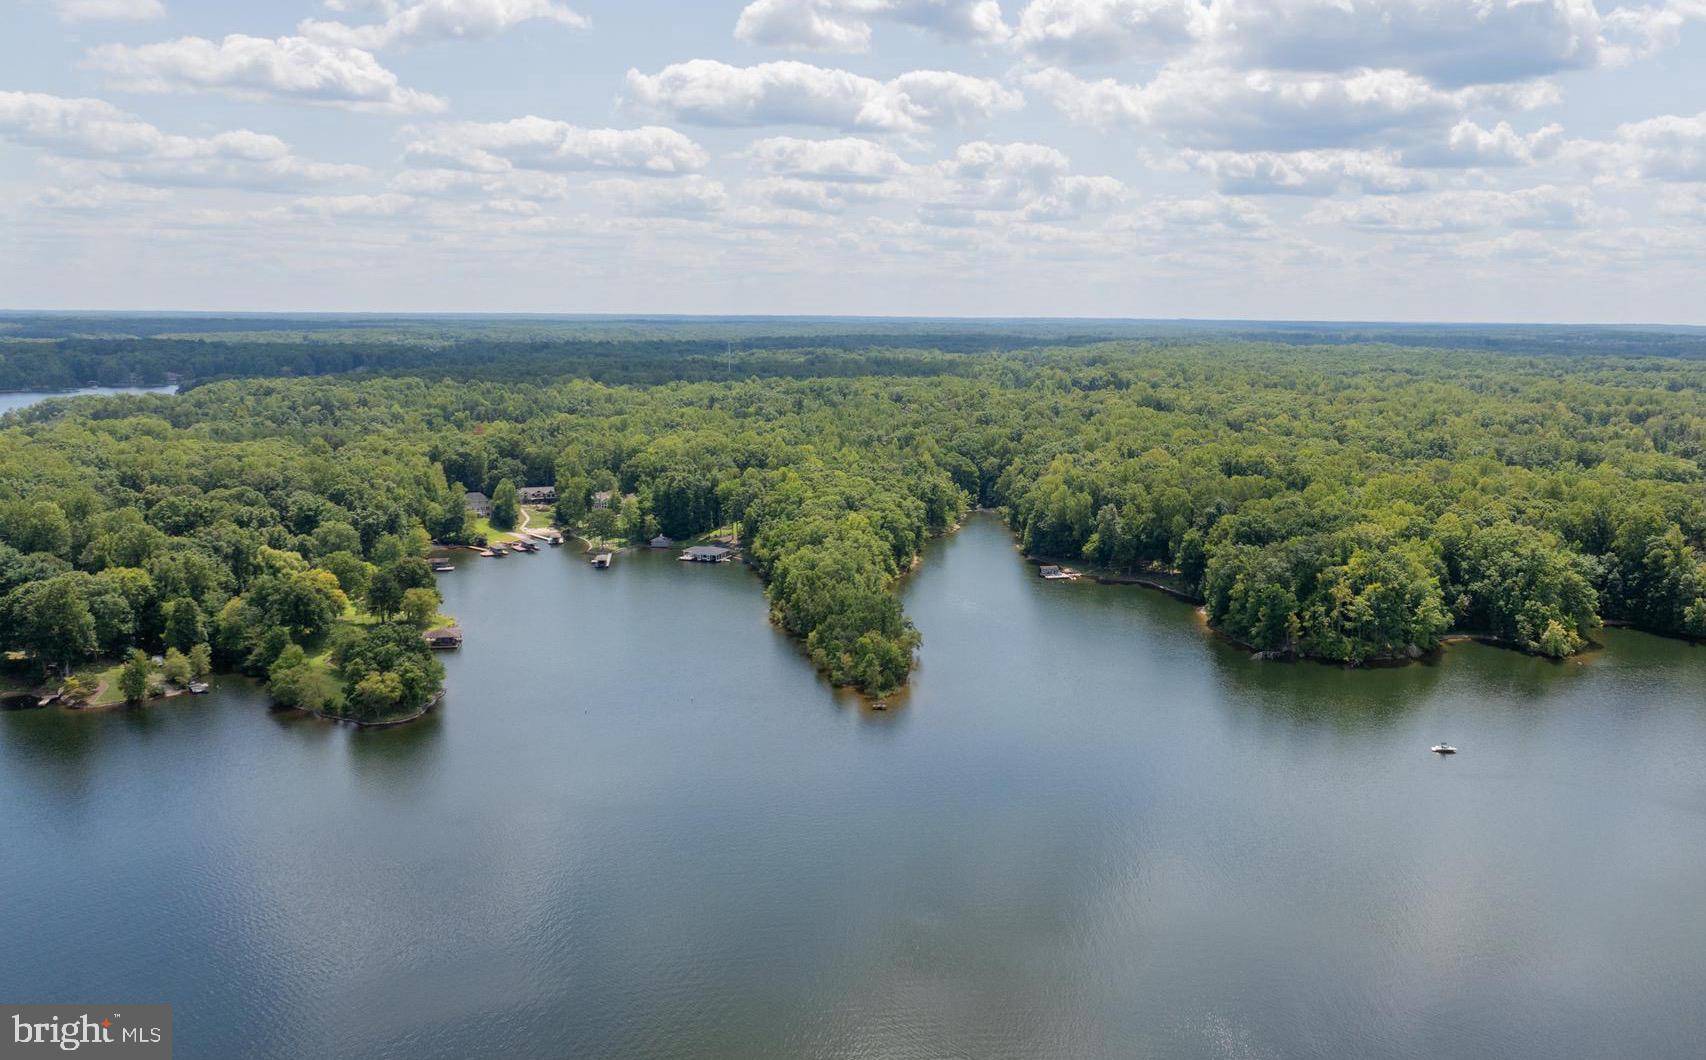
[
  {"x": 643, "y": 825},
  {"x": 400, "y": 759}
]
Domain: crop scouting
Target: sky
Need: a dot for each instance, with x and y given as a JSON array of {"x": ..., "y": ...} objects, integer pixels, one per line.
[{"x": 1436, "y": 160}]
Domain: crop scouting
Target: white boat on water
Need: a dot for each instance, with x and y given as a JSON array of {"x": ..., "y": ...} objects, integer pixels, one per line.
[{"x": 1443, "y": 749}]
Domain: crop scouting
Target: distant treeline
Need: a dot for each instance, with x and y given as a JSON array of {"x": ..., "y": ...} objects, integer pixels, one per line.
[
  {"x": 54, "y": 351},
  {"x": 138, "y": 362}
]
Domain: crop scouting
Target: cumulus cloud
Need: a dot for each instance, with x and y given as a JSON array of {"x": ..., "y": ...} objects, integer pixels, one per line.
[
  {"x": 845, "y": 25},
  {"x": 1032, "y": 180},
  {"x": 100, "y": 197},
  {"x": 706, "y": 92},
  {"x": 544, "y": 144},
  {"x": 1449, "y": 42},
  {"x": 845, "y": 160},
  {"x": 1670, "y": 147},
  {"x": 137, "y": 152},
  {"x": 694, "y": 198},
  {"x": 1326, "y": 172},
  {"x": 1102, "y": 31},
  {"x": 288, "y": 69},
  {"x": 386, "y": 204},
  {"x": 1450, "y": 213},
  {"x": 507, "y": 186},
  {"x": 1214, "y": 214},
  {"x": 1470, "y": 144},
  {"x": 815, "y": 196},
  {"x": 427, "y": 21},
  {"x": 1636, "y": 32},
  {"x": 1212, "y": 108},
  {"x": 131, "y": 10}
]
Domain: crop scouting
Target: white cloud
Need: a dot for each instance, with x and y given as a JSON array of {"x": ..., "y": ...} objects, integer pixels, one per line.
[
  {"x": 813, "y": 196},
  {"x": 131, "y": 10},
  {"x": 1325, "y": 172},
  {"x": 508, "y": 185},
  {"x": 845, "y": 25},
  {"x": 694, "y": 198},
  {"x": 387, "y": 204},
  {"x": 100, "y": 197},
  {"x": 427, "y": 21},
  {"x": 291, "y": 69},
  {"x": 132, "y": 150},
  {"x": 1633, "y": 33},
  {"x": 1029, "y": 179},
  {"x": 1450, "y": 213},
  {"x": 706, "y": 92},
  {"x": 1449, "y": 42},
  {"x": 1214, "y": 214},
  {"x": 1669, "y": 147},
  {"x": 1096, "y": 31},
  {"x": 541, "y": 143},
  {"x": 1216, "y": 108},
  {"x": 847, "y": 160},
  {"x": 1470, "y": 144}
]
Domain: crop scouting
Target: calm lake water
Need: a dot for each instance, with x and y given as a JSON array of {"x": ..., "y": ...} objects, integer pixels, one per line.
[
  {"x": 23, "y": 399},
  {"x": 642, "y": 827}
]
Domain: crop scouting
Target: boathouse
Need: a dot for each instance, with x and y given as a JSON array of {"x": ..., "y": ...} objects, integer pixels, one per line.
[
  {"x": 663, "y": 541},
  {"x": 707, "y": 554},
  {"x": 447, "y": 638}
]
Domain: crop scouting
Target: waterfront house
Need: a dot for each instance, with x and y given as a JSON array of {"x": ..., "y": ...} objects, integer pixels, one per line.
[
  {"x": 447, "y": 638},
  {"x": 537, "y": 494},
  {"x": 601, "y": 499},
  {"x": 707, "y": 554},
  {"x": 478, "y": 503}
]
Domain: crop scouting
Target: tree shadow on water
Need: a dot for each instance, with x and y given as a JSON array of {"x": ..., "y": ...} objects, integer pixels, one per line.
[
  {"x": 400, "y": 758},
  {"x": 1319, "y": 694}
]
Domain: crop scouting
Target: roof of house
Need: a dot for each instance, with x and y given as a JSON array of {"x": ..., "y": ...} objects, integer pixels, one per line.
[
  {"x": 444, "y": 633},
  {"x": 475, "y": 497},
  {"x": 663, "y": 540}
]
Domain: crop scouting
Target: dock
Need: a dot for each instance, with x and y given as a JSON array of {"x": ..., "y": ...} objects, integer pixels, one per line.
[
  {"x": 602, "y": 561},
  {"x": 1055, "y": 573}
]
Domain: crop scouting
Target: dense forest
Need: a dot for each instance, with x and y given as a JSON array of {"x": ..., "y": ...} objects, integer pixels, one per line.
[
  {"x": 64, "y": 350},
  {"x": 1344, "y": 503}
]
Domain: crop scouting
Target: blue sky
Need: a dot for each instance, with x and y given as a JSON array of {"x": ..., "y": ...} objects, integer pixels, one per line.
[{"x": 1520, "y": 160}]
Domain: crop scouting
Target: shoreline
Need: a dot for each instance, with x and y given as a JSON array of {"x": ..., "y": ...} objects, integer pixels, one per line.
[
  {"x": 388, "y": 723},
  {"x": 1101, "y": 576}
]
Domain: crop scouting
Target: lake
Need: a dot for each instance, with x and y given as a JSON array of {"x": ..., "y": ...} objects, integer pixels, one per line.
[
  {"x": 641, "y": 826},
  {"x": 11, "y": 400}
]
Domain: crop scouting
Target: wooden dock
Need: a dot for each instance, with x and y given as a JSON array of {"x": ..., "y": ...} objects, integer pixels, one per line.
[{"x": 602, "y": 561}]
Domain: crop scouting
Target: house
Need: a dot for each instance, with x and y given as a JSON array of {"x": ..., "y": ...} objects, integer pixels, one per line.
[
  {"x": 707, "y": 554},
  {"x": 607, "y": 499},
  {"x": 537, "y": 494},
  {"x": 478, "y": 503},
  {"x": 448, "y": 638},
  {"x": 663, "y": 541}
]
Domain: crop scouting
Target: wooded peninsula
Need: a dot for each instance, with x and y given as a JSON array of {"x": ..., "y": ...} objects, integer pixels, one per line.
[{"x": 1350, "y": 501}]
